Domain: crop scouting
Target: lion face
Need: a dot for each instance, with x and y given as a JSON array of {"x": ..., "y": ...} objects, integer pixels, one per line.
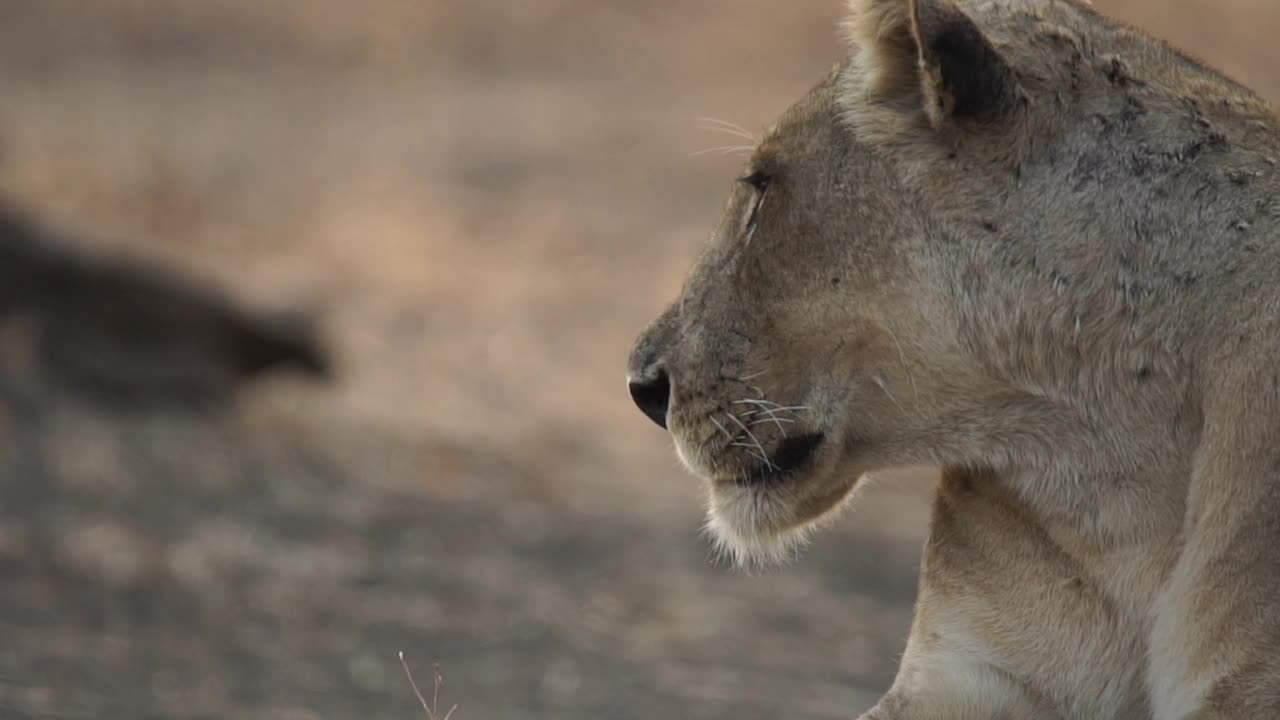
[
  {"x": 783, "y": 368},
  {"x": 925, "y": 262}
]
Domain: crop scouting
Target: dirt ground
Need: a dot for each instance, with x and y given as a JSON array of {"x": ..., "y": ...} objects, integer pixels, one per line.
[{"x": 486, "y": 201}]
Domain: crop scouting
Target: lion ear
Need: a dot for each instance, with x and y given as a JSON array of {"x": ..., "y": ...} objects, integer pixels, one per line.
[{"x": 930, "y": 54}]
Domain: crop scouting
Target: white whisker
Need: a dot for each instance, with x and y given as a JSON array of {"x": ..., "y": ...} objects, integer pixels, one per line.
[
  {"x": 727, "y": 131},
  {"x": 751, "y": 450},
  {"x": 722, "y": 429},
  {"x": 774, "y": 420},
  {"x": 771, "y": 417},
  {"x": 724, "y": 150},
  {"x": 710, "y": 123},
  {"x": 753, "y": 438},
  {"x": 902, "y": 357},
  {"x": 880, "y": 383},
  {"x": 774, "y": 406},
  {"x": 793, "y": 408},
  {"x": 761, "y": 403}
]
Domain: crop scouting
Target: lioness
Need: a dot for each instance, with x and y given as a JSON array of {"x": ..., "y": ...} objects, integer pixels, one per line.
[{"x": 1025, "y": 243}]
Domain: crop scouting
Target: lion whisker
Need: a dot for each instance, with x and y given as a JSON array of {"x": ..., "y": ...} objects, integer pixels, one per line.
[
  {"x": 771, "y": 417},
  {"x": 880, "y": 383},
  {"x": 716, "y": 124},
  {"x": 793, "y": 408},
  {"x": 706, "y": 119},
  {"x": 724, "y": 150},
  {"x": 722, "y": 429},
  {"x": 728, "y": 131},
  {"x": 902, "y": 358},
  {"x": 776, "y": 421},
  {"x": 753, "y": 438},
  {"x": 751, "y": 450},
  {"x": 774, "y": 406}
]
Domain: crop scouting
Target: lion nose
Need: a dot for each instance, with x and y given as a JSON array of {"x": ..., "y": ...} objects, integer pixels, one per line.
[{"x": 652, "y": 394}]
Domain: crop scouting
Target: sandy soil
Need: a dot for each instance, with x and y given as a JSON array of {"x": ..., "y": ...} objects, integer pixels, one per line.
[{"x": 486, "y": 200}]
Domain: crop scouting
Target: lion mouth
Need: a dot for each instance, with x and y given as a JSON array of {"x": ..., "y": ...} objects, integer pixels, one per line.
[{"x": 793, "y": 455}]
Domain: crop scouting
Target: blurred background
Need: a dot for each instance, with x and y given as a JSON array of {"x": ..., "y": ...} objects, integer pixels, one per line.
[{"x": 313, "y": 317}]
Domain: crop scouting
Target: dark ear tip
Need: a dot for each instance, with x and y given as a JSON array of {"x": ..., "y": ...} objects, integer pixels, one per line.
[{"x": 974, "y": 82}]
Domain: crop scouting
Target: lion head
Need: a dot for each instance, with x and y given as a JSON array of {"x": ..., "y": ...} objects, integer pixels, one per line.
[{"x": 930, "y": 260}]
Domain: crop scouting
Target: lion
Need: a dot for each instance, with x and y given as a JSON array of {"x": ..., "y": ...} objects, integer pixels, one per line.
[{"x": 1039, "y": 249}]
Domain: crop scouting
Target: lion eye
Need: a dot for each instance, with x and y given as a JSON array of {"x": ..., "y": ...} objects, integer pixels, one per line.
[{"x": 757, "y": 180}]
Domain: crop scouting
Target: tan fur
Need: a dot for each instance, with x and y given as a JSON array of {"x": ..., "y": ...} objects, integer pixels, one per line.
[{"x": 1040, "y": 249}]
